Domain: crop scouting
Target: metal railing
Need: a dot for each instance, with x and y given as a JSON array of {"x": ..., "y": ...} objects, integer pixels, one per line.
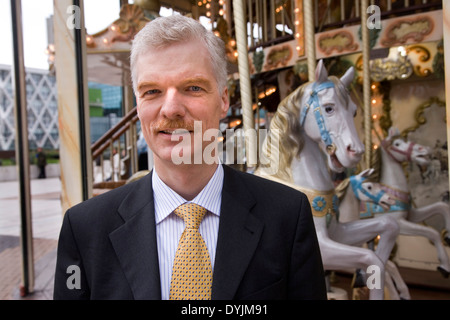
[{"x": 114, "y": 154}]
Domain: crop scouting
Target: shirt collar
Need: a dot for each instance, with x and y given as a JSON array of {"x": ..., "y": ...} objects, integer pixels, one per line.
[{"x": 167, "y": 200}]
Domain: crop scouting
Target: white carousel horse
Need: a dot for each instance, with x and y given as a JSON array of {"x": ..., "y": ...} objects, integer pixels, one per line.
[
  {"x": 356, "y": 191},
  {"x": 311, "y": 132},
  {"x": 394, "y": 150}
]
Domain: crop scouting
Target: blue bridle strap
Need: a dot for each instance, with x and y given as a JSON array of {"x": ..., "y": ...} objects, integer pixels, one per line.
[
  {"x": 314, "y": 102},
  {"x": 356, "y": 183}
]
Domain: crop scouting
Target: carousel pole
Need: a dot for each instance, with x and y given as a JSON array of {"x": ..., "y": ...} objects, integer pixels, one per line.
[
  {"x": 446, "y": 25},
  {"x": 245, "y": 83},
  {"x": 310, "y": 39},
  {"x": 366, "y": 83}
]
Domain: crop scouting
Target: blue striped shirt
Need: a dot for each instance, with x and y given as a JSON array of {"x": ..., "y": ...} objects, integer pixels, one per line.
[{"x": 169, "y": 226}]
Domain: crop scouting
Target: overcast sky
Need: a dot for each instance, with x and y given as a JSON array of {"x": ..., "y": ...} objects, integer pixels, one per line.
[{"x": 98, "y": 15}]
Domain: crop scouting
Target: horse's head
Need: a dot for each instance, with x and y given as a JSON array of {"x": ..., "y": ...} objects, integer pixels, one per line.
[
  {"x": 401, "y": 150},
  {"x": 327, "y": 113},
  {"x": 368, "y": 191}
]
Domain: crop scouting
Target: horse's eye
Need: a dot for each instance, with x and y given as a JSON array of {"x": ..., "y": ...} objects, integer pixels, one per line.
[
  {"x": 329, "y": 109},
  {"x": 397, "y": 144},
  {"x": 369, "y": 187}
]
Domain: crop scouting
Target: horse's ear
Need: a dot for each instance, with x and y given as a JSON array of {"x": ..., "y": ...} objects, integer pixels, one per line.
[
  {"x": 347, "y": 78},
  {"x": 393, "y": 131},
  {"x": 366, "y": 172},
  {"x": 321, "y": 72}
]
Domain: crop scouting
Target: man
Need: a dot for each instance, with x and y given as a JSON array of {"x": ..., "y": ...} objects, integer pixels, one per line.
[
  {"x": 41, "y": 163},
  {"x": 257, "y": 236}
]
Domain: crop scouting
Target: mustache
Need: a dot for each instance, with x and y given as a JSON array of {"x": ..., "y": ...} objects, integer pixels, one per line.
[{"x": 166, "y": 124}]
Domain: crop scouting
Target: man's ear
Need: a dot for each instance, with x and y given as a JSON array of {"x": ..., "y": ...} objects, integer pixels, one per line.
[
  {"x": 137, "y": 106},
  {"x": 225, "y": 103}
]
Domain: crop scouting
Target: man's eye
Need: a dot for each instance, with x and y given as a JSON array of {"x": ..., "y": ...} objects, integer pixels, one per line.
[
  {"x": 152, "y": 91},
  {"x": 195, "y": 88}
]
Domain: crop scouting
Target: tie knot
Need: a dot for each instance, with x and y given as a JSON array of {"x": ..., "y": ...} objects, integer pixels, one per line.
[{"x": 191, "y": 213}]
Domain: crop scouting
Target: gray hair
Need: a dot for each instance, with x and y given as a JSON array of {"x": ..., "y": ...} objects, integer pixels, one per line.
[{"x": 164, "y": 31}]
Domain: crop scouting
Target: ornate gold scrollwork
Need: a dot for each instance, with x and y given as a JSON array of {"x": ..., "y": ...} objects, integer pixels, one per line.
[
  {"x": 419, "y": 114},
  {"x": 424, "y": 56}
]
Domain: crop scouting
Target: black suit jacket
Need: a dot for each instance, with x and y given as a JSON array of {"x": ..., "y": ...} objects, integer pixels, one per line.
[{"x": 266, "y": 249}]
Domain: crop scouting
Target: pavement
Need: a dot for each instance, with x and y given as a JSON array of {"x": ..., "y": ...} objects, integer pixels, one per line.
[{"x": 46, "y": 223}]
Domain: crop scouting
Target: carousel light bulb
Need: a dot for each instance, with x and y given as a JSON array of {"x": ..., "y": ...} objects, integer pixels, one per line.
[
  {"x": 374, "y": 101},
  {"x": 297, "y": 35},
  {"x": 208, "y": 6},
  {"x": 113, "y": 28},
  {"x": 221, "y": 2},
  {"x": 208, "y": 14},
  {"x": 374, "y": 117},
  {"x": 402, "y": 51},
  {"x": 199, "y": 3},
  {"x": 105, "y": 41},
  {"x": 221, "y": 12},
  {"x": 297, "y": 10}
]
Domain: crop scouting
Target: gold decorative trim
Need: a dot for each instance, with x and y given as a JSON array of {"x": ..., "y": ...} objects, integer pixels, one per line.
[
  {"x": 385, "y": 121},
  {"x": 419, "y": 114},
  {"x": 321, "y": 201},
  {"x": 311, "y": 194},
  {"x": 401, "y": 31},
  {"x": 278, "y": 57},
  {"x": 339, "y": 41},
  {"x": 424, "y": 56}
]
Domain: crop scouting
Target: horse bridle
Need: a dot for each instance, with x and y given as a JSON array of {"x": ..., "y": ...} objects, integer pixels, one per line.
[
  {"x": 387, "y": 145},
  {"x": 356, "y": 183},
  {"x": 315, "y": 103}
]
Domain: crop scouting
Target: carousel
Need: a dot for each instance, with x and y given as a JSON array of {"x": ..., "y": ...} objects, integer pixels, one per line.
[{"x": 349, "y": 102}]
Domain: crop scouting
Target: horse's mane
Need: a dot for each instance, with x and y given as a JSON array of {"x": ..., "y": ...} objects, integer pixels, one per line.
[
  {"x": 341, "y": 189},
  {"x": 376, "y": 159},
  {"x": 284, "y": 141}
]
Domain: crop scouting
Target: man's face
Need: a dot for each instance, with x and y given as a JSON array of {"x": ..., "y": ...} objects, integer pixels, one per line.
[{"x": 176, "y": 86}]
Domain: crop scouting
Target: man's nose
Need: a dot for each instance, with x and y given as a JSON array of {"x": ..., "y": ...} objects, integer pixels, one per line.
[{"x": 173, "y": 105}]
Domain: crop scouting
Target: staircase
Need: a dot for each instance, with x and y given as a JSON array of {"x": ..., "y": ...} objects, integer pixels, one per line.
[{"x": 114, "y": 155}]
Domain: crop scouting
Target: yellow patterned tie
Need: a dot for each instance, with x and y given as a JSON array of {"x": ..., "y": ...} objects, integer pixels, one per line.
[{"x": 192, "y": 272}]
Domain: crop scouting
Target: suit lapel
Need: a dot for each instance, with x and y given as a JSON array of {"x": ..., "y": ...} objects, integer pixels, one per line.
[
  {"x": 135, "y": 241},
  {"x": 239, "y": 234}
]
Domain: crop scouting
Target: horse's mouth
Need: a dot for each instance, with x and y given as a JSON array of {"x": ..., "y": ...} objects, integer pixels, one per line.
[
  {"x": 337, "y": 164},
  {"x": 423, "y": 156},
  {"x": 385, "y": 205}
]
